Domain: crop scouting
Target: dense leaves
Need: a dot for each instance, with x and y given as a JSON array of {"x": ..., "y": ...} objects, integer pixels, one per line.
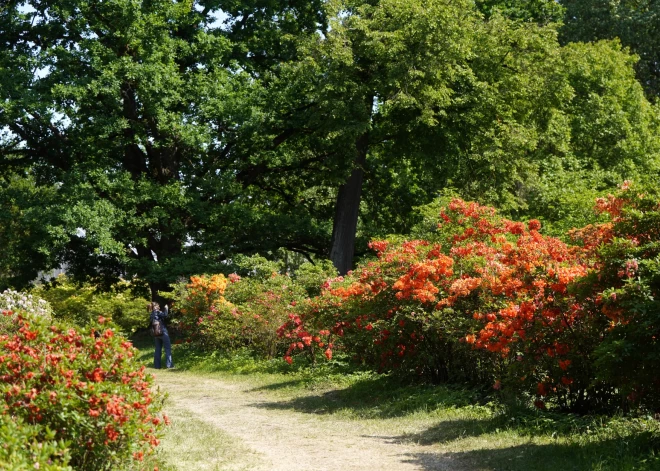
[
  {"x": 82, "y": 304},
  {"x": 234, "y": 312},
  {"x": 626, "y": 290},
  {"x": 159, "y": 139},
  {"x": 27, "y": 447},
  {"x": 635, "y": 23}
]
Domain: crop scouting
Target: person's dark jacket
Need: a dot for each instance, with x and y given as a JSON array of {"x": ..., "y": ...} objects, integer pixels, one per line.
[{"x": 161, "y": 316}]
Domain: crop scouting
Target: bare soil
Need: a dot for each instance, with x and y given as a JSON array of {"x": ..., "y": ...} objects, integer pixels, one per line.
[{"x": 284, "y": 439}]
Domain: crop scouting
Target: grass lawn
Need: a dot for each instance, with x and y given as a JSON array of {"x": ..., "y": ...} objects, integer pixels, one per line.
[{"x": 476, "y": 430}]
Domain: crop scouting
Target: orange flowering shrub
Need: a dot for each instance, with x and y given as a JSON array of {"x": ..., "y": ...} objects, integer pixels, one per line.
[
  {"x": 485, "y": 299},
  {"x": 63, "y": 385},
  {"x": 194, "y": 301},
  {"x": 482, "y": 299}
]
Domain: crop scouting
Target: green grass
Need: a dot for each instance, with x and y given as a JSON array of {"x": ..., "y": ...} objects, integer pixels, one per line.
[
  {"x": 195, "y": 445},
  {"x": 478, "y": 431}
]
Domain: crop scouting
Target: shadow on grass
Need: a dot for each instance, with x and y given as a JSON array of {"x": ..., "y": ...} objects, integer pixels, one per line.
[
  {"x": 561, "y": 441},
  {"x": 524, "y": 423},
  {"x": 379, "y": 397},
  {"x": 603, "y": 455},
  {"x": 281, "y": 385},
  {"x": 451, "y": 430}
]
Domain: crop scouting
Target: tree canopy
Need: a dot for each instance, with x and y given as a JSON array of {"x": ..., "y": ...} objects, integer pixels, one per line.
[
  {"x": 158, "y": 139},
  {"x": 634, "y": 22}
]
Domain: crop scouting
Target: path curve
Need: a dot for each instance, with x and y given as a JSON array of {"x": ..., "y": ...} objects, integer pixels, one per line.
[{"x": 285, "y": 439}]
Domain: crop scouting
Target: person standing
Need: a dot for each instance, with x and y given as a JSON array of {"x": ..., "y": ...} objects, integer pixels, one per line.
[{"x": 161, "y": 336}]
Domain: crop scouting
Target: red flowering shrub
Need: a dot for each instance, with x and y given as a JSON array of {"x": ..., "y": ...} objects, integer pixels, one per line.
[
  {"x": 84, "y": 388},
  {"x": 624, "y": 292},
  {"x": 483, "y": 298}
]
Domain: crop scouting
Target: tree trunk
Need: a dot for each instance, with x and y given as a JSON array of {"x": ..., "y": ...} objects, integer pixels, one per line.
[
  {"x": 347, "y": 211},
  {"x": 155, "y": 287}
]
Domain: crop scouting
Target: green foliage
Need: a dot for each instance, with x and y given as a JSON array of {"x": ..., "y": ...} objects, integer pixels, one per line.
[
  {"x": 158, "y": 144},
  {"x": 82, "y": 304},
  {"x": 311, "y": 277},
  {"x": 126, "y": 136},
  {"x": 26, "y": 447},
  {"x": 27, "y": 212},
  {"x": 234, "y": 313},
  {"x": 255, "y": 266},
  {"x": 259, "y": 307},
  {"x": 79, "y": 388},
  {"x": 538, "y": 11},
  {"x": 633, "y": 22}
]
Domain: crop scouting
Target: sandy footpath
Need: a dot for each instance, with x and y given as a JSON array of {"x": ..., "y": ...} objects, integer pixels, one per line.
[{"x": 284, "y": 439}]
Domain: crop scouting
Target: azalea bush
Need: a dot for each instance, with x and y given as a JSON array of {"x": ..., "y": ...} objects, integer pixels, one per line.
[
  {"x": 624, "y": 290},
  {"x": 83, "y": 388},
  {"x": 245, "y": 312},
  {"x": 481, "y": 294},
  {"x": 494, "y": 302},
  {"x": 194, "y": 301}
]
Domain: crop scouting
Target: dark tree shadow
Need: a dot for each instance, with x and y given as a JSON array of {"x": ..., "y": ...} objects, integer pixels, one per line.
[
  {"x": 604, "y": 455},
  {"x": 630, "y": 449},
  {"x": 452, "y": 430},
  {"x": 381, "y": 397},
  {"x": 276, "y": 386}
]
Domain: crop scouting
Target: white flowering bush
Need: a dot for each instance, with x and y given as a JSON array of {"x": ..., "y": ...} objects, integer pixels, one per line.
[{"x": 11, "y": 300}]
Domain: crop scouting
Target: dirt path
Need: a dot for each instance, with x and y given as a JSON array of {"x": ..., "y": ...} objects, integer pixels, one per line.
[{"x": 283, "y": 439}]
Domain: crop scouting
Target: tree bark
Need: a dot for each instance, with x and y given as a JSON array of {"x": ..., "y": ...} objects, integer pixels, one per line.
[
  {"x": 155, "y": 287},
  {"x": 347, "y": 211}
]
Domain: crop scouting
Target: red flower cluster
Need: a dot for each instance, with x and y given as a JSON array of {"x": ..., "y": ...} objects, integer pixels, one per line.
[
  {"x": 485, "y": 282},
  {"x": 87, "y": 387}
]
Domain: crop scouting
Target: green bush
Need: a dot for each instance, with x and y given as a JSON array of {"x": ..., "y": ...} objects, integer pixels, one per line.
[
  {"x": 26, "y": 447},
  {"x": 234, "y": 312},
  {"x": 82, "y": 304}
]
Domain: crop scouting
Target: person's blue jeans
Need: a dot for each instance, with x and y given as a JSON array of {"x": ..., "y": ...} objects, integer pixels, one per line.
[{"x": 160, "y": 341}]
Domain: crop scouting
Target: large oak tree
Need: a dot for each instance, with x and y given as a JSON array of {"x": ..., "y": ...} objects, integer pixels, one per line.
[
  {"x": 145, "y": 138},
  {"x": 133, "y": 122}
]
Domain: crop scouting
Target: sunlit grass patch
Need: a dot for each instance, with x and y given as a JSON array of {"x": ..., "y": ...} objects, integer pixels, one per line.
[{"x": 191, "y": 444}]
